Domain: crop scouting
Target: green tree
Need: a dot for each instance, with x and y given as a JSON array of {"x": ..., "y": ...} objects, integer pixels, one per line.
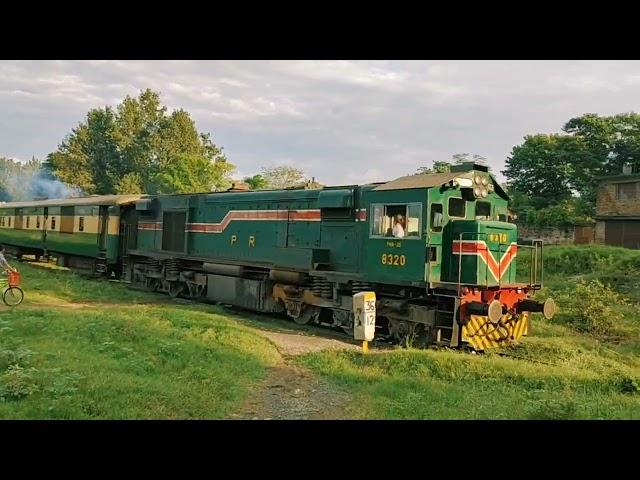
[
  {"x": 439, "y": 166},
  {"x": 610, "y": 143},
  {"x": 191, "y": 174},
  {"x": 129, "y": 184},
  {"x": 256, "y": 182},
  {"x": 283, "y": 176},
  {"x": 139, "y": 147},
  {"x": 543, "y": 168}
]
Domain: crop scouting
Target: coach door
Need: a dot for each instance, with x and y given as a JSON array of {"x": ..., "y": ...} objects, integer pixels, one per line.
[
  {"x": 103, "y": 227},
  {"x": 44, "y": 226},
  {"x": 18, "y": 222}
]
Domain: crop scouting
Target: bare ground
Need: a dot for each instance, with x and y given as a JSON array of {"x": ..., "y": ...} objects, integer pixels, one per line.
[{"x": 292, "y": 392}]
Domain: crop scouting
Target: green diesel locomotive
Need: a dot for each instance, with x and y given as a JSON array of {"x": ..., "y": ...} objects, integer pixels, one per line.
[{"x": 436, "y": 249}]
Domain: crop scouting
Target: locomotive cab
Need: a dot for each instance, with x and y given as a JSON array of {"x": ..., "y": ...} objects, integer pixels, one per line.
[{"x": 461, "y": 251}]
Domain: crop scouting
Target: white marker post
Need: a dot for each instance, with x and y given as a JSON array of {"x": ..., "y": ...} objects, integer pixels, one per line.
[{"x": 364, "y": 321}]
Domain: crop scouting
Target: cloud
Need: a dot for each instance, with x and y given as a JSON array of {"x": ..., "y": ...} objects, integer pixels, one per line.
[{"x": 342, "y": 121}]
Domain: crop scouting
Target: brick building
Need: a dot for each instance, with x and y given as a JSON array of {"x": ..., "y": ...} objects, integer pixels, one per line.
[{"x": 618, "y": 209}]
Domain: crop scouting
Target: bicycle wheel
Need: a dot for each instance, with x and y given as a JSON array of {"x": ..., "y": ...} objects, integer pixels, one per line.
[{"x": 13, "y": 296}]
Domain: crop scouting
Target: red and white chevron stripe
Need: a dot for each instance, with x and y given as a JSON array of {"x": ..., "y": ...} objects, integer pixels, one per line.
[
  {"x": 309, "y": 215},
  {"x": 480, "y": 248}
]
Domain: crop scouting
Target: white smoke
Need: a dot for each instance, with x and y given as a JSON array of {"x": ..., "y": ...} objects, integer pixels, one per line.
[
  {"x": 44, "y": 187},
  {"x": 27, "y": 184}
]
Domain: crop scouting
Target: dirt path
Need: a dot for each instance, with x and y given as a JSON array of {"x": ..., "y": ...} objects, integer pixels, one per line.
[{"x": 292, "y": 392}]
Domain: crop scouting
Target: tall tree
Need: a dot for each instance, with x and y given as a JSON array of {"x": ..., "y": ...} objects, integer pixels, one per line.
[
  {"x": 542, "y": 168},
  {"x": 139, "y": 147},
  {"x": 256, "y": 182},
  {"x": 611, "y": 141},
  {"x": 283, "y": 176}
]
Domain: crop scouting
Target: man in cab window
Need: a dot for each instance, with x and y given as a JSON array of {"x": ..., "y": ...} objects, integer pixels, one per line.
[{"x": 398, "y": 228}]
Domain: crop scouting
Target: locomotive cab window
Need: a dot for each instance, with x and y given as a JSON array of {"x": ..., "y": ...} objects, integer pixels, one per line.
[
  {"x": 457, "y": 207},
  {"x": 396, "y": 220},
  {"x": 483, "y": 211},
  {"x": 436, "y": 217}
]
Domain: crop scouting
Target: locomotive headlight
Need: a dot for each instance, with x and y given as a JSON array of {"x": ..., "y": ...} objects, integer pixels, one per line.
[
  {"x": 485, "y": 181},
  {"x": 484, "y": 193},
  {"x": 490, "y": 187},
  {"x": 477, "y": 179},
  {"x": 477, "y": 191}
]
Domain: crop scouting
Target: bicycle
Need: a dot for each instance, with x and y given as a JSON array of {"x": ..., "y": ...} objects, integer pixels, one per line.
[{"x": 12, "y": 294}]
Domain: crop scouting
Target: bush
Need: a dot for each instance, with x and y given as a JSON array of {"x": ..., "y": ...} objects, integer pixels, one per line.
[
  {"x": 589, "y": 307},
  {"x": 17, "y": 382}
]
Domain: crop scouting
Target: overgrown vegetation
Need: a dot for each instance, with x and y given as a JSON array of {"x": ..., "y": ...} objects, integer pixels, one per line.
[{"x": 584, "y": 363}]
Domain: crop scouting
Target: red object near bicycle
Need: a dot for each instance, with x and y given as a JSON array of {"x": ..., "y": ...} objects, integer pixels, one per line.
[{"x": 14, "y": 279}]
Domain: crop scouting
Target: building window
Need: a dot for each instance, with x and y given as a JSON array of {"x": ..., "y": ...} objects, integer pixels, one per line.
[
  {"x": 81, "y": 224},
  {"x": 483, "y": 211},
  {"x": 436, "y": 217},
  {"x": 396, "y": 220},
  {"x": 457, "y": 207},
  {"x": 627, "y": 191},
  {"x": 53, "y": 223}
]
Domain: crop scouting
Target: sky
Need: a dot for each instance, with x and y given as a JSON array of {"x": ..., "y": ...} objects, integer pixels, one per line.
[{"x": 342, "y": 122}]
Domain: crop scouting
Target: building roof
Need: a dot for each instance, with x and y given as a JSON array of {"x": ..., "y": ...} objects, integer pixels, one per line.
[
  {"x": 618, "y": 177},
  {"x": 81, "y": 201}
]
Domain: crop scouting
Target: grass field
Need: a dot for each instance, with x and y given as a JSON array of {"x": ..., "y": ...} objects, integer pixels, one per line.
[
  {"x": 93, "y": 349},
  {"x": 561, "y": 371}
]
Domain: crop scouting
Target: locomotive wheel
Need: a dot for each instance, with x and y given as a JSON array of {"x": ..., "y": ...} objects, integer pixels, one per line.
[
  {"x": 400, "y": 330},
  {"x": 307, "y": 314},
  {"x": 175, "y": 289}
]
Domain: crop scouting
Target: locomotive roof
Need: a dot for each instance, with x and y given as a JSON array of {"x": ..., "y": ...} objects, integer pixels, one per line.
[
  {"x": 431, "y": 180},
  {"x": 68, "y": 202},
  {"x": 419, "y": 181}
]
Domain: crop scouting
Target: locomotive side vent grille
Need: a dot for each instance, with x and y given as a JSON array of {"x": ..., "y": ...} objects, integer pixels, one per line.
[{"x": 322, "y": 288}]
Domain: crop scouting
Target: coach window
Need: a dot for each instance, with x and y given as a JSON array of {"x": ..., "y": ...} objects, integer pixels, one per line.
[
  {"x": 81, "y": 224},
  {"x": 436, "y": 217},
  {"x": 457, "y": 207},
  {"x": 385, "y": 218},
  {"x": 483, "y": 211}
]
